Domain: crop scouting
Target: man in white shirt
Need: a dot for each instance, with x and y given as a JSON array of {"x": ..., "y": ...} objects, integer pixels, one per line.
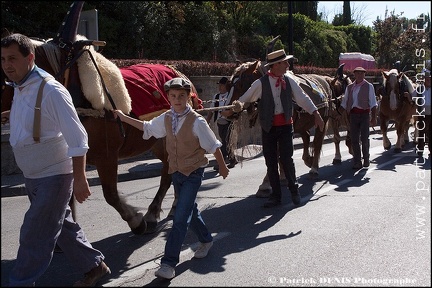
[
  {"x": 360, "y": 103},
  {"x": 53, "y": 165},
  {"x": 276, "y": 91}
]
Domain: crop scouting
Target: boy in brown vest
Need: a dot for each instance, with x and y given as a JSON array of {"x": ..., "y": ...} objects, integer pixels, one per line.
[{"x": 188, "y": 138}]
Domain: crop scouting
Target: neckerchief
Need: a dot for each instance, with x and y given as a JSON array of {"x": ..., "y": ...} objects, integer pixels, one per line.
[
  {"x": 15, "y": 85},
  {"x": 279, "y": 80},
  {"x": 357, "y": 85},
  {"x": 176, "y": 116}
]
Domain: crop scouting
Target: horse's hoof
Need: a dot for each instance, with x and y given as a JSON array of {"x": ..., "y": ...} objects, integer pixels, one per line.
[
  {"x": 397, "y": 150},
  {"x": 313, "y": 174},
  {"x": 263, "y": 193},
  {"x": 337, "y": 161},
  {"x": 151, "y": 227},
  {"x": 141, "y": 229}
]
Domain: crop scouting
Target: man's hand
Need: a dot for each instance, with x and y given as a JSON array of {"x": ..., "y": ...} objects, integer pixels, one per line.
[
  {"x": 81, "y": 190},
  {"x": 238, "y": 106}
]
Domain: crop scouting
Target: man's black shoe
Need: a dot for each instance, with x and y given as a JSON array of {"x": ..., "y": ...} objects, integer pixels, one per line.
[
  {"x": 296, "y": 198},
  {"x": 271, "y": 203},
  {"x": 357, "y": 166},
  {"x": 366, "y": 163},
  {"x": 232, "y": 164}
]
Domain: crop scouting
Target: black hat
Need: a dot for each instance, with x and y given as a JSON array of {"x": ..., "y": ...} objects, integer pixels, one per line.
[
  {"x": 177, "y": 83},
  {"x": 223, "y": 80}
]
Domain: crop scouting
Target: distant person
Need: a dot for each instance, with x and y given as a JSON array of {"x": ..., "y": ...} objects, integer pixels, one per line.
[
  {"x": 360, "y": 103},
  {"x": 188, "y": 138},
  {"x": 224, "y": 123},
  {"x": 53, "y": 167}
]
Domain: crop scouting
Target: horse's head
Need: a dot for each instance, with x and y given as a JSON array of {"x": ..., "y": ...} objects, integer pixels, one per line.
[
  {"x": 243, "y": 77},
  {"x": 339, "y": 84},
  {"x": 393, "y": 87}
]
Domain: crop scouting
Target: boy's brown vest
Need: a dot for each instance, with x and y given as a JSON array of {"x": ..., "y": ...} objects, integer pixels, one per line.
[{"x": 185, "y": 154}]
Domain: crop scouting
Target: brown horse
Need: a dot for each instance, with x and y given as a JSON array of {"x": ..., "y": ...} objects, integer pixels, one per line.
[
  {"x": 396, "y": 105},
  {"x": 109, "y": 140},
  {"x": 246, "y": 73},
  {"x": 339, "y": 84}
]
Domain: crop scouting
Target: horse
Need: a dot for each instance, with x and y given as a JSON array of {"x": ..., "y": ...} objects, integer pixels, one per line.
[
  {"x": 316, "y": 86},
  {"x": 339, "y": 84},
  {"x": 109, "y": 140},
  {"x": 396, "y": 104}
]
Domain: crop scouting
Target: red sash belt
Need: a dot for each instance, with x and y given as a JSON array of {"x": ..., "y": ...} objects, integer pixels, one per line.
[
  {"x": 356, "y": 110},
  {"x": 279, "y": 120}
]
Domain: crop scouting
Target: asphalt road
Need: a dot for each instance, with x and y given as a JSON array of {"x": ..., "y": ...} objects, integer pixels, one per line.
[{"x": 355, "y": 228}]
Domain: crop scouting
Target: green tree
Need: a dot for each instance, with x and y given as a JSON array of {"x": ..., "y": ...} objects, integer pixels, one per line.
[
  {"x": 346, "y": 13},
  {"x": 397, "y": 41}
]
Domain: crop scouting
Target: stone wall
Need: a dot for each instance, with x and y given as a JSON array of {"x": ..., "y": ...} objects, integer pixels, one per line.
[{"x": 206, "y": 86}]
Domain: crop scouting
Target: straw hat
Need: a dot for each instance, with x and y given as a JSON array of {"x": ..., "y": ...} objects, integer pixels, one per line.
[{"x": 277, "y": 56}]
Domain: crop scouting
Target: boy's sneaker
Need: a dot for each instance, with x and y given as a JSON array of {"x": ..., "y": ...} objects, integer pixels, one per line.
[
  {"x": 165, "y": 271},
  {"x": 203, "y": 250}
]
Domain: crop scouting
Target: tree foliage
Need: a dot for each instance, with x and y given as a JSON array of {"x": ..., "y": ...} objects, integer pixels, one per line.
[
  {"x": 226, "y": 31},
  {"x": 396, "y": 40}
]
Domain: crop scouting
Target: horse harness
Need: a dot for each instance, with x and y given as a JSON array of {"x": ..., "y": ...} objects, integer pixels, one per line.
[{"x": 79, "y": 46}]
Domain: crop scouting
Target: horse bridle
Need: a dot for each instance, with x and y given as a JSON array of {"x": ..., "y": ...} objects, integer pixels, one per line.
[
  {"x": 338, "y": 98},
  {"x": 79, "y": 46}
]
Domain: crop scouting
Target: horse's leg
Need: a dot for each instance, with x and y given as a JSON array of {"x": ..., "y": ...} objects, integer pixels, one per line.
[
  {"x": 317, "y": 146},
  {"x": 400, "y": 131},
  {"x": 154, "y": 209},
  {"x": 405, "y": 133},
  {"x": 384, "y": 127},
  {"x": 107, "y": 170},
  {"x": 335, "y": 124},
  {"x": 264, "y": 190},
  {"x": 346, "y": 123},
  {"x": 307, "y": 158},
  {"x": 104, "y": 143}
]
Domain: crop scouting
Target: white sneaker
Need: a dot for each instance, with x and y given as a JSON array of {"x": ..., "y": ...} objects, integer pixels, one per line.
[
  {"x": 202, "y": 251},
  {"x": 165, "y": 271}
]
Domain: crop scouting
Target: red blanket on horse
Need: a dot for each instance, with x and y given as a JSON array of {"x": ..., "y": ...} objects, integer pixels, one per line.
[{"x": 144, "y": 83}]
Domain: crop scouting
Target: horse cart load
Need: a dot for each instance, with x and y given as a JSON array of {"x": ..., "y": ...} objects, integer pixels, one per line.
[{"x": 356, "y": 59}]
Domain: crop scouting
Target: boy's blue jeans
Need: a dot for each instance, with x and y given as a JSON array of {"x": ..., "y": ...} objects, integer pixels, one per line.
[{"x": 186, "y": 215}]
